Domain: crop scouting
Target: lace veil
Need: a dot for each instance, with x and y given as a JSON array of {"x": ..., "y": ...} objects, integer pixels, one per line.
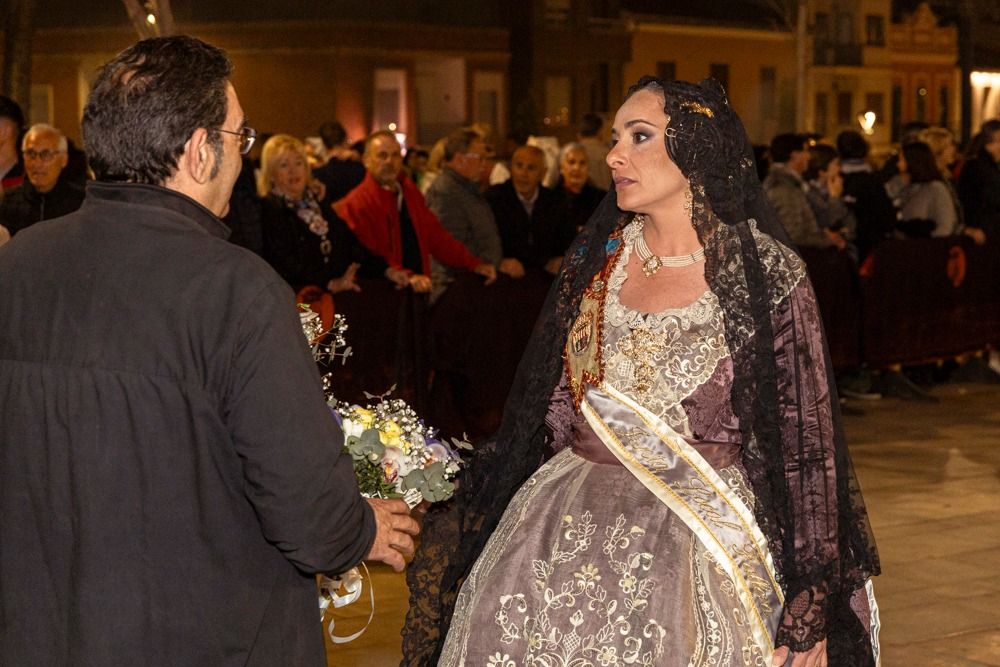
[{"x": 809, "y": 504}]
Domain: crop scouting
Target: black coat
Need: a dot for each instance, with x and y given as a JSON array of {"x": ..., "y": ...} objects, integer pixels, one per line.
[
  {"x": 170, "y": 475},
  {"x": 535, "y": 240},
  {"x": 295, "y": 252},
  {"x": 339, "y": 177},
  {"x": 979, "y": 192},
  {"x": 581, "y": 205},
  {"x": 24, "y": 205},
  {"x": 865, "y": 195}
]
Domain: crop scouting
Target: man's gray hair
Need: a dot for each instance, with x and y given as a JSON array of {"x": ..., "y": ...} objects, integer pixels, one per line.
[
  {"x": 45, "y": 128},
  {"x": 569, "y": 148},
  {"x": 459, "y": 141}
]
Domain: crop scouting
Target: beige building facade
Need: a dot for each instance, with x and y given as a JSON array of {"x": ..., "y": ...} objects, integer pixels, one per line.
[
  {"x": 421, "y": 80},
  {"x": 756, "y": 66}
]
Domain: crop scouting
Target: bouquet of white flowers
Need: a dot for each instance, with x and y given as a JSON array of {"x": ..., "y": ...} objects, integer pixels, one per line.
[{"x": 395, "y": 455}]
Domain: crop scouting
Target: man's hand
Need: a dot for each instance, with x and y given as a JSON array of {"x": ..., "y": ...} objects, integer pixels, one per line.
[
  {"x": 488, "y": 271},
  {"x": 512, "y": 267},
  {"x": 836, "y": 239},
  {"x": 976, "y": 234},
  {"x": 814, "y": 657},
  {"x": 553, "y": 265},
  {"x": 346, "y": 282},
  {"x": 399, "y": 277},
  {"x": 420, "y": 283},
  {"x": 394, "y": 531}
]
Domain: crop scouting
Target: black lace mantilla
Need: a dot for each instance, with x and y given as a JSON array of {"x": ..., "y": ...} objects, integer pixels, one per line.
[{"x": 808, "y": 504}]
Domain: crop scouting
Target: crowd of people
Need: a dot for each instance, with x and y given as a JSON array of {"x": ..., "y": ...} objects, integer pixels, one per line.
[
  {"x": 327, "y": 211},
  {"x": 833, "y": 194}
]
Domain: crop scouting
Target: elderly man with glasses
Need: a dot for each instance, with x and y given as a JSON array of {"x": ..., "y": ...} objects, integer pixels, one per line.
[{"x": 45, "y": 193}]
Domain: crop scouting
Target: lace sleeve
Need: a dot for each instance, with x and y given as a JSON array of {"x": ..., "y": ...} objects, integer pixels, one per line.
[{"x": 560, "y": 416}]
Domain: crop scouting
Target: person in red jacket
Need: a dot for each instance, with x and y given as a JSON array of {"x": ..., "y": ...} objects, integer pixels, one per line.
[{"x": 389, "y": 216}]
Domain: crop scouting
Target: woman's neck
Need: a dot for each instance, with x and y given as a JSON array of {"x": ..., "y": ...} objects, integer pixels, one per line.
[
  {"x": 288, "y": 195},
  {"x": 670, "y": 232}
]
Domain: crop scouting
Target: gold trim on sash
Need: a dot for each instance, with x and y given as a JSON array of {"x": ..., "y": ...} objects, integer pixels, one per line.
[{"x": 679, "y": 477}]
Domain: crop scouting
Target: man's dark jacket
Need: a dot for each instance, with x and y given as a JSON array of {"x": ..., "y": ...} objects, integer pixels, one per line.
[
  {"x": 532, "y": 240},
  {"x": 24, "y": 205},
  {"x": 979, "y": 192},
  {"x": 170, "y": 475}
]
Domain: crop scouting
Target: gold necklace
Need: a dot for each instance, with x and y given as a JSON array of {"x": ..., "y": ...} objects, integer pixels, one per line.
[{"x": 652, "y": 263}]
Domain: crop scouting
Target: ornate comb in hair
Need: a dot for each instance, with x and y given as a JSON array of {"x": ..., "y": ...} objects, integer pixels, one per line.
[{"x": 698, "y": 108}]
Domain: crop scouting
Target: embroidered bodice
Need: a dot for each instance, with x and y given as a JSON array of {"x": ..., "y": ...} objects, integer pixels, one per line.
[{"x": 675, "y": 363}]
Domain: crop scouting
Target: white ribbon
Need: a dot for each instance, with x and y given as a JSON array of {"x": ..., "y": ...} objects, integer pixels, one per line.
[{"x": 352, "y": 583}]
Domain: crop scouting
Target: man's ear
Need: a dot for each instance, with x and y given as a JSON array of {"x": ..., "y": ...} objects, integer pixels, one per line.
[{"x": 198, "y": 157}]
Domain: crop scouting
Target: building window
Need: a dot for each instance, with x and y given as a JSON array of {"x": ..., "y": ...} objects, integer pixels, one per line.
[
  {"x": 921, "y": 115},
  {"x": 768, "y": 93},
  {"x": 876, "y": 102},
  {"x": 488, "y": 102},
  {"x": 943, "y": 102},
  {"x": 389, "y": 108},
  {"x": 720, "y": 72},
  {"x": 666, "y": 69},
  {"x": 875, "y": 30},
  {"x": 557, "y": 11},
  {"x": 897, "y": 111},
  {"x": 599, "y": 88},
  {"x": 558, "y": 100},
  {"x": 822, "y": 114},
  {"x": 845, "y": 109},
  {"x": 845, "y": 28},
  {"x": 821, "y": 26}
]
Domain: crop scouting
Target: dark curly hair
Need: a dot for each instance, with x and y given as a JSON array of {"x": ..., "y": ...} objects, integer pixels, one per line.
[{"x": 147, "y": 102}]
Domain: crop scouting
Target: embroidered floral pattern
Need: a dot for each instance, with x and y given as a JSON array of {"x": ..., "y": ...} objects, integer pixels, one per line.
[{"x": 614, "y": 590}]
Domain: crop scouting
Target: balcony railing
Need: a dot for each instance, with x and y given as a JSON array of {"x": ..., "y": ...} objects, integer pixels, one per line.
[{"x": 830, "y": 54}]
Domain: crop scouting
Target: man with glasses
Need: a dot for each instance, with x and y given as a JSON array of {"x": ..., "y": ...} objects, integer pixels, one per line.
[
  {"x": 171, "y": 477},
  {"x": 45, "y": 194},
  {"x": 456, "y": 200}
]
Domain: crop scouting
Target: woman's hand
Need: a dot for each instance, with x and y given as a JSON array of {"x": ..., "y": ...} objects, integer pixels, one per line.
[
  {"x": 346, "y": 282},
  {"x": 814, "y": 657}
]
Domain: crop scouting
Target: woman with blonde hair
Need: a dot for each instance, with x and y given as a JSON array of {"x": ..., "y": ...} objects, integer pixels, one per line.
[
  {"x": 942, "y": 144},
  {"x": 305, "y": 244}
]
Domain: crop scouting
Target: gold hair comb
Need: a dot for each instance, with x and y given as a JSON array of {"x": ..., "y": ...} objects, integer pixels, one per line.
[{"x": 698, "y": 108}]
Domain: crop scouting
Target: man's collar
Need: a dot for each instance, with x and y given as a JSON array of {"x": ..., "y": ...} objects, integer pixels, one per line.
[
  {"x": 140, "y": 194},
  {"x": 854, "y": 166},
  {"x": 528, "y": 201},
  {"x": 468, "y": 184}
]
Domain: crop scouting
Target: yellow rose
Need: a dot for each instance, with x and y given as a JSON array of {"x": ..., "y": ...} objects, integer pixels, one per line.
[
  {"x": 390, "y": 434},
  {"x": 364, "y": 417}
]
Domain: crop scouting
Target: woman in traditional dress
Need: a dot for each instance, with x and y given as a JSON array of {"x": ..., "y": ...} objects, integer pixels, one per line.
[{"x": 670, "y": 484}]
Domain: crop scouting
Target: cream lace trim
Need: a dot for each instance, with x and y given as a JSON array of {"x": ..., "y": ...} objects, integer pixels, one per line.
[{"x": 661, "y": 358}]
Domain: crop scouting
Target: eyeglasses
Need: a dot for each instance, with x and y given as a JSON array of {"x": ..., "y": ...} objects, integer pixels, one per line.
[
  {"x": 42, "y": 156},
  {"x": 247, "y": 136}
]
